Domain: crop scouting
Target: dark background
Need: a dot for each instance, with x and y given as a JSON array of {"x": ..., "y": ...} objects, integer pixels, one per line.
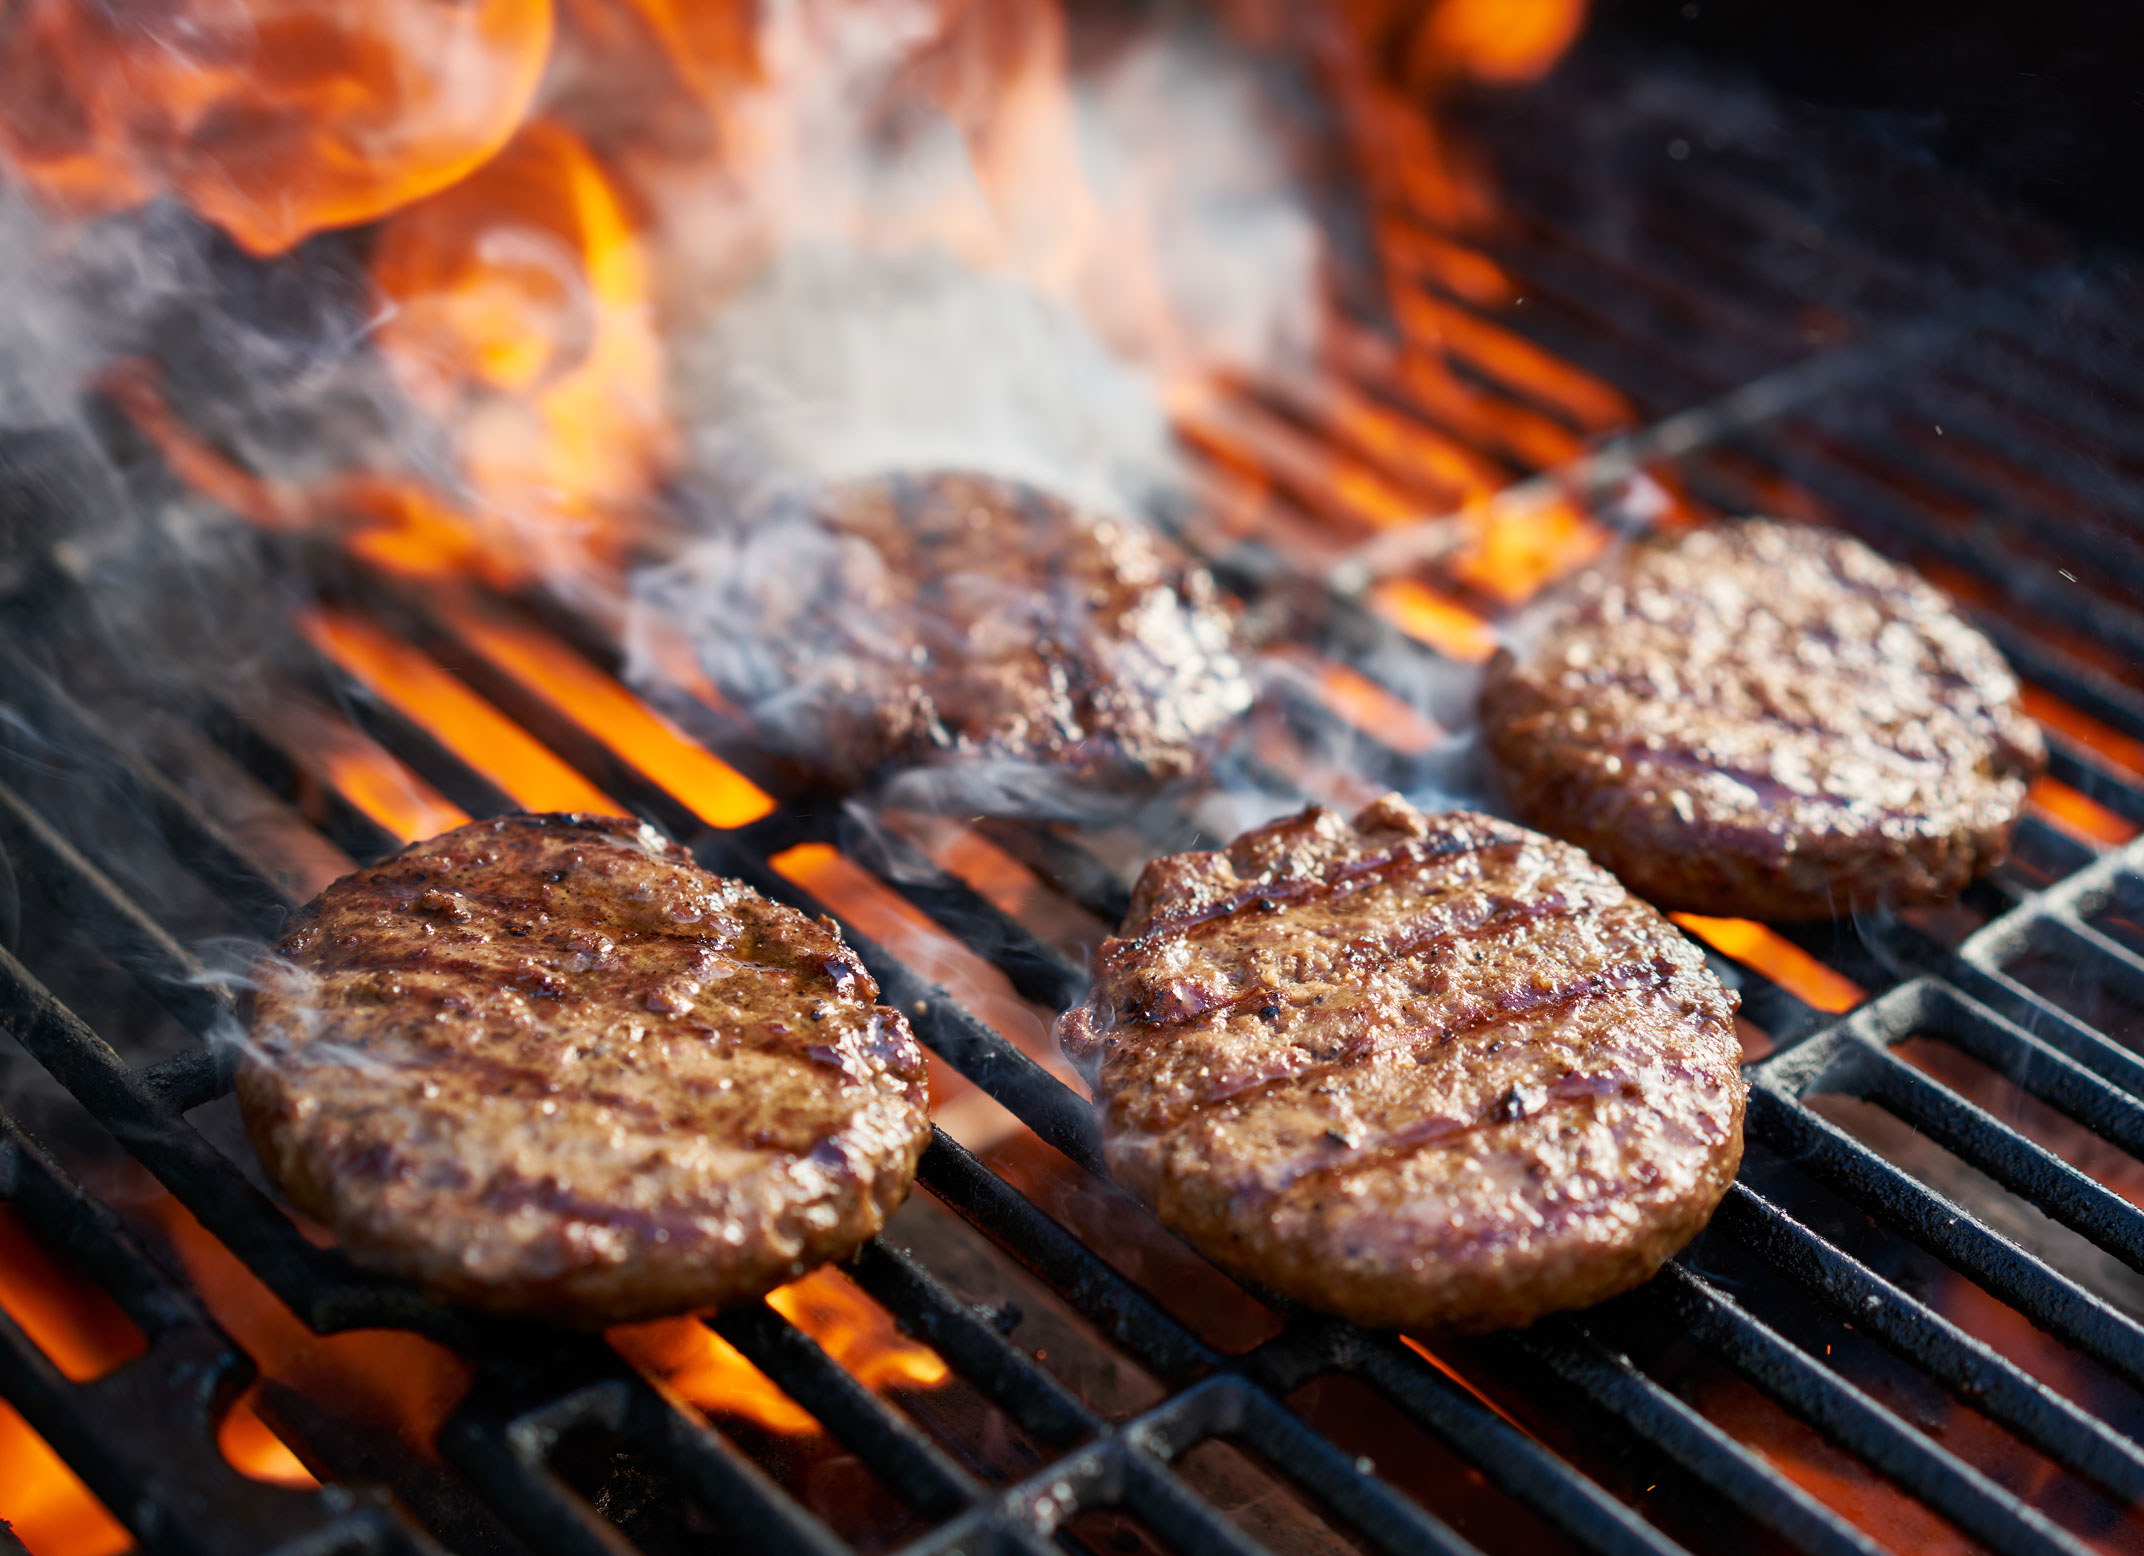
[{"x": 2041, "y": 102}]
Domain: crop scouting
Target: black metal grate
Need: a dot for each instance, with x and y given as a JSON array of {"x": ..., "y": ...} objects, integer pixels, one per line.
[{"x": 1651, "y": 313}]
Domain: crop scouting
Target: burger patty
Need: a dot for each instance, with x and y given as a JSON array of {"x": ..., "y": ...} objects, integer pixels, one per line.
[
  {"x": 954, "y": 619},
  {"x": 1765, "y": 720},
  {"x": 547, "y": 1065},
  {"x": 1434, "y": 1071}
]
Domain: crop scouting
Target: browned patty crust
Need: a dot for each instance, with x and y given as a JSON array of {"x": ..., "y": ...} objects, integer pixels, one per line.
[
  {"x": 960, "y": 621},
  {"x": 1765, "y": 720},
  {"x": 1432, "y": 1071},
  {"x": 547, "y": 1065}
]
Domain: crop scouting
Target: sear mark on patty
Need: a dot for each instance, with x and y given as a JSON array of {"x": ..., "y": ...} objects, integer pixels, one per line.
[
  {"x": 1765, "y": 720},
  {"x": 1458, "y": 1077},
  {"x": 547, "y": 1065}
]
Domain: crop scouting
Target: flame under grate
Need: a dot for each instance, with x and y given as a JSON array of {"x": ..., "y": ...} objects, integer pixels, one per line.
[{"x": 1822, "y": 1218}]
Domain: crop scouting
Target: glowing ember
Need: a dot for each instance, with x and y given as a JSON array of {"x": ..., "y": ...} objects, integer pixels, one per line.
[
  {"x": 2059, "y": 716},
  {"x": 67, "y": 1317},
  {"x": 44, "y": 1504},
  {"x": 1367, "y": 706},
  {"x": 255, "y": 1451},
  {"x": 705, "y": 1370},
  {"x": 716, "y": 792},
  {"x": 1517, "y": 548},
  {"x": 85, "y": 1335},
  {"x": 1778, "y": 958},
  {"x": 453, "y": 715},
  {"x": 272, "y": 118},
  {"x": 363, "y": 773},
  {"x": 2079, "y": 813},
  {"x": 1512, "y": 360},
  {"x": 1443, "y": 623}
]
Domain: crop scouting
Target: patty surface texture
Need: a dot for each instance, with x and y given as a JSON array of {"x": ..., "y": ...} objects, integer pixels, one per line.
[
  {"x": 547, "y": 1065},
  {"x": 1430, "y": 1071},
  {"x": 963, "y": 624},
  {"x": 1765, "y": 720}
]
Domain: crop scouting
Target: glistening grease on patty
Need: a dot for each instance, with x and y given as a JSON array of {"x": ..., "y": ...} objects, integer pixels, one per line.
[
  {"x": 1764, "y": 720},
  {"x": 547, "y": 1065},
  {"x": 1434, "y": 1071}
]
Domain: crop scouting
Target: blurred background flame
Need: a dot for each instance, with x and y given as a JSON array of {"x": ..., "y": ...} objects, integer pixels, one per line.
[{"x": 273, "y": 119}]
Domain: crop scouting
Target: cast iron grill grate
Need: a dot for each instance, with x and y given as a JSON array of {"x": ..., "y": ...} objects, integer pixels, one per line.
[{"x": 143, "y": 1438}]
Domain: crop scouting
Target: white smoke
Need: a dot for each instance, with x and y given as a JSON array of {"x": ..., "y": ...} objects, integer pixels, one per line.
[{"x": 921, "y": 257}]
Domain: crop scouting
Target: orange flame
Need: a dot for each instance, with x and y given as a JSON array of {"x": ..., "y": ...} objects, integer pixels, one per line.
[
  {"x": 251, "y": 1447},
  {"x": 521, "y": 318},
  {"x": 274, "y": 119},
  {"x": 710, "y": 43},
  {"x": 714, "y": 791},
  {"x": 1373, "y": 710},
  {"x": 386, "y": 1380},
  {"x": 363, "y": 773},
  {"x": 453, "y": 715},
  {"x": 69, "y": 1318},
  {"x": 1493, "y": 40},
  {"x": 85, "y": 1335},
  {"x": 1779, "y": 959},
  {"x": 705, "y": 1370},
  {"x": 44, "y": 1504},
  {"x": 2121, "y": 749},
  {"x": 1443, "y": 623},
  {"x": 877, "y": 910},
  {"x": 2079, "y": 813},
  {"x": 1515, "y": 549}
]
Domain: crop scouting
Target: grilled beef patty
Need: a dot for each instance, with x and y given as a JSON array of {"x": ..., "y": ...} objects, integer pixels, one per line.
[
  {"x": 1435, "y": 1071},
  {"x": 1765, "y": 720},
  {"x": 960, "y": 621},
  {"x": 547, "y": 1065}
]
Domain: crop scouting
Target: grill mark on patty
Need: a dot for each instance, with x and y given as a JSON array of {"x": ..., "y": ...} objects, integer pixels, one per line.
[
  {"x": 1326, "y": 887},
  {"x": 1501, "y": 923},
  {"x": 1368, "y": 1045},
  {"x": 1893, "y": 774},
  {"x": 1217, "y": 1122},
  {"x": 372, "y": 997},
  {"x": 1560, "y": 1096}
]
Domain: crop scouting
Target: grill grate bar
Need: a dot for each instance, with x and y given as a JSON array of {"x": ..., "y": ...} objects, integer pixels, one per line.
[
  {"x": 1513, "y": 1461},
  {"x": 2093, "y": 1088},
  {"x": 2085, "y": 687},
  {"x": 2024, "y": 1019},
  {"x": 98, "y": 907},
  {"x": 1849, "y": 1417},
  {"x": 2083, "y": 771},
  {"x": 1114, "y": 1305},
  {"x": 1384, "y": 1515},
  {"x": 896, "y": 1451},
  {"x": 318, "y": 1285},
  {"x": 1698, "y": 1447},
  {"x": 2017, "y": 1163},
  {"x": 1976, "y": 1374},
  {"x": 1946, "y": 1229},
  {"x": 924, "y": 1308},
  {"x": 1972, "y": 547},
  {"x": 199, "y": 843},
  {"x": 513, "y": 1421},
  {"x": 97, "y": 1427}
]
